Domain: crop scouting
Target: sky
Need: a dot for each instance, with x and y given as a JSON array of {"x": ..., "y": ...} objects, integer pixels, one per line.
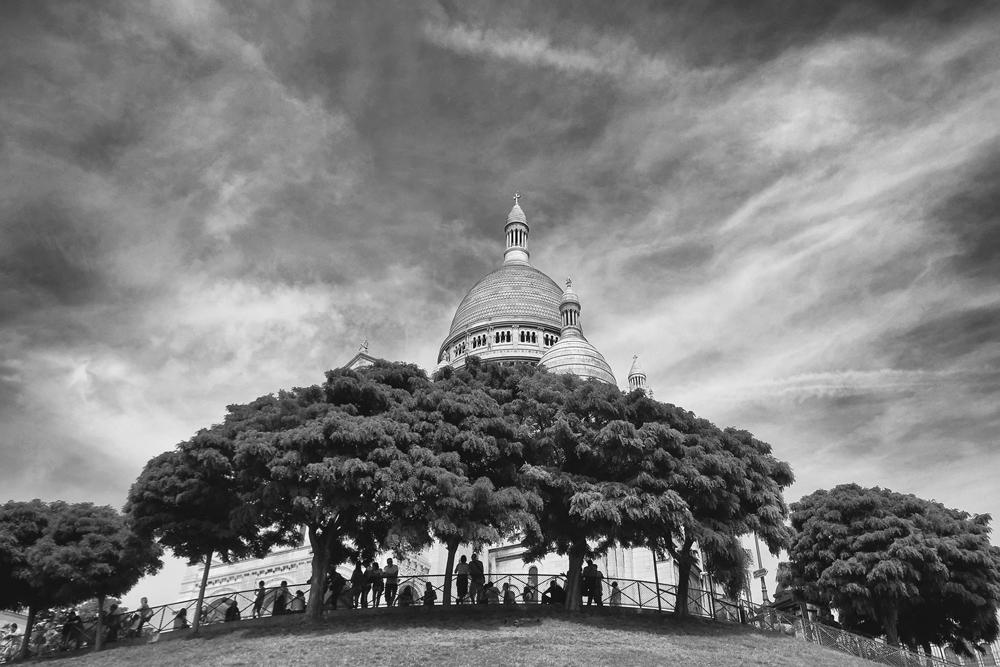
[{"x": 790, "y": 212}]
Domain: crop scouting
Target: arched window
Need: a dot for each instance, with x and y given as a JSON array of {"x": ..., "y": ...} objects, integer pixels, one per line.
[{"x": 534, "y": 337}]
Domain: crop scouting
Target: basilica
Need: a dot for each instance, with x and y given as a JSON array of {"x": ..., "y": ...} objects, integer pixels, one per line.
[{"x": 514, "y": 314}]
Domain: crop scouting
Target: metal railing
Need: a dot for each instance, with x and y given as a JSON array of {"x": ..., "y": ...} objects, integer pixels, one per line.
[
  {"x": 850, "y": 643},
  {"x": 53, "y": 635}
]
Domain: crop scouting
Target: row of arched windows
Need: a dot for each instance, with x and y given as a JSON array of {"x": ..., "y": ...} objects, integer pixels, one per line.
[{"x": 499, "y": 337}]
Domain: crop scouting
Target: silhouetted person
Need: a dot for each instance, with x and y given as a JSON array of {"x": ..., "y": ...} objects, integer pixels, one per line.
[
  {"x": 554, "y": 594},
  {"x": 592, "y": 587},
  {"x": 430, "y": 595},
  {"x": 377, "y": 584},
  {"x": 616, "y": 595},
  {"x": 406, "y": 598},
  {"x": 337, "y": 584},
  {"x": 232, "y": 612},
  {"x": 508, "y": 595},
  {"x": 462, "y": 579},
  {"x": 281, "y": 596},
  {"x": 181, "y": 619},
  {"x": 298, "y": 604},
  {"x": 391, "y": 574},
  {"x": 358, "y": 585},
  {"x": 72, "y": 630},
  {"x": 258, "y": 601},
  {"x": 477, "y": 576}
]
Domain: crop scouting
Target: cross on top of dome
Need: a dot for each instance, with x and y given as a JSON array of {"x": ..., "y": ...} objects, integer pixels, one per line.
[{"x": 517, "y": 195}]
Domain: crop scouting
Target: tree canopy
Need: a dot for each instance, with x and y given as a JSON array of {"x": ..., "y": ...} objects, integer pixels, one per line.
[
  {"x": 920, "y": 572},
  {"x": 188, "y": 500},
  {"x": 66, "y": 553}
]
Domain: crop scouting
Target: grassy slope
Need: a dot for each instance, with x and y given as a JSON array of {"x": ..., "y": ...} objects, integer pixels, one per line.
[{"x": 479, "y": 637}]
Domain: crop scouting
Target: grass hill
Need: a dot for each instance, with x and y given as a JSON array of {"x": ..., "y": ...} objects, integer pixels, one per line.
[{"x": 474, "y": 636}]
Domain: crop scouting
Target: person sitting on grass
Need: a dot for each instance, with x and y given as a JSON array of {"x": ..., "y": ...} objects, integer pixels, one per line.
[
  {"x": 554, "y": 594},
  {"x": 491, "y": 595},
  {"x": 232, "y": 612},
  {"x": 181, "y": 619},
  {"x": 298, "y": 604},
  {"x": 430, "y": 595},
  {"x": 406, "y": 598}
]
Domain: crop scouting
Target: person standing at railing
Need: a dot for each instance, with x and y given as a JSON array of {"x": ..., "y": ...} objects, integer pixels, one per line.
[
  {"x": 616, "y": 595},
  {"x": 358, "y": 585},
  {"x": 391, "y": 574},
  {"x": 140, "y": 618},
  {"x": 592, "y": 587},
  {"x": 281, "y": 597},
  {"x": 72, "y": 631},
  {"x": 508, "y": 594},
  {"x": 366, "y": 585},
  {"x": 462, "y": 579},
  {"x": 477, "y": 576},
  {"x": 258, "y": 601},
  {"x": 378, "y": 584}
]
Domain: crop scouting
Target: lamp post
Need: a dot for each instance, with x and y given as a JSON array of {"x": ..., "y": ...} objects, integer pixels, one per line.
[{"x": 763, "y": 586}]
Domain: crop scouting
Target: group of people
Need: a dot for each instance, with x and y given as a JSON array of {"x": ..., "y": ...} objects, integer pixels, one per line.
[{"x": 382, "y": 583}]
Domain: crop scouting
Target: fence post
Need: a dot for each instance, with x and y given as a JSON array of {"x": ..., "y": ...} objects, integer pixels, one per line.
[{"x": 656, "y": 575}]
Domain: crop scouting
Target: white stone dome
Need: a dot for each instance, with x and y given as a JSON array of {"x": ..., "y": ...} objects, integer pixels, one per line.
[
  {"x": 514, "y": 293},
  {"x": 574, "y": 354}
]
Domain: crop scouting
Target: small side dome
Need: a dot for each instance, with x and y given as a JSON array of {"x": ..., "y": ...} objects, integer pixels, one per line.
[
  {"x": 575, "y": 355},
  {"x": 636, "y": 377}
]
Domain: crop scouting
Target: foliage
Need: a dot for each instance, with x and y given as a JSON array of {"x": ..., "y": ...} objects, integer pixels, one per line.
[
  {"x": 71, "y": 552},
  {"x": 188, "y": 500},
  {"x": 601, "y": 481},
  {"x": 337, "y": 459},
  {"x": 923, "y": 572},
  {"x": 474, "y": 496}
]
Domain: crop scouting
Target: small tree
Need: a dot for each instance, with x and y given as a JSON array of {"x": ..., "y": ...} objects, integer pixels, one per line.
[
  {"x": 22, "y": 524},
  {"x": 923, "y": 572},
  {"x": 72, "y": 552},
  {"x": 187, "y": 499}
]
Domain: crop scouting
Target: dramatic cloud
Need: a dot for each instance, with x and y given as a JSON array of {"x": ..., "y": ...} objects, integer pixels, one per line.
[{"x": 791, "y": 214}]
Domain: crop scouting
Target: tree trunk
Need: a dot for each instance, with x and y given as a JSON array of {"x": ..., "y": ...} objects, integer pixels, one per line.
[
  {"x": 452, "y": 549},
  {"x": 201, "y": 594},
  {"x": 99, "y": 628},
  {"x": 29, "y": 625},
  {"x": 320, "y": 564},
  {"x": 574, "y": 592},
  {"x": 684, "y": 562},
  {"x": 889, "y": 620}
]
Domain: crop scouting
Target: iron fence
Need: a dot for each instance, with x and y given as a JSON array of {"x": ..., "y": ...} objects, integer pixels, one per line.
[{"x": 862, "y": 647}]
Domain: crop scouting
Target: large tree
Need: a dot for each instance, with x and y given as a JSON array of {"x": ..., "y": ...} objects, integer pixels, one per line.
[
  {"x": 338, "y": 459},
  {"x": 476, "y": 496},
  {"x": 731, "y": 485},
  {"x": 67, "y": 553},
  {"x": 601, "y": 480},
  {"x": 924, "y": 573},
  {"x": 188, "y": 500}
]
